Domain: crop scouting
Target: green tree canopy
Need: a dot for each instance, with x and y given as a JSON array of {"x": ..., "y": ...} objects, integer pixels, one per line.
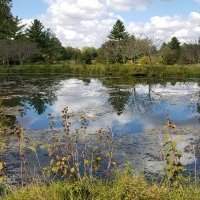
[
  {"x": 10, "y": 26},
  {"x": 170, "y": 52},
  {"x": 174, "y": 44},
  {"x": 50, "y": 47},
  {"x": 118, "y": 32},
  {"x": 88, "y": 55}
]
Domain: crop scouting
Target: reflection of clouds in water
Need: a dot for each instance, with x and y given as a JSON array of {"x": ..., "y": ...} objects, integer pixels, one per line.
[
  {"x": 179, "y": 89},
  {"x": 80, "y": 97},
  {"x": 182, "y": 142},
  {"x": 92, "y": 99},
  {"x": 142, "y": 111},
  {"x": 178, "y": 101}
]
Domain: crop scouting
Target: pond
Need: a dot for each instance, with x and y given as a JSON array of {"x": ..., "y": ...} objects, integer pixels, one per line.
[{"x": 135, "y": 110}]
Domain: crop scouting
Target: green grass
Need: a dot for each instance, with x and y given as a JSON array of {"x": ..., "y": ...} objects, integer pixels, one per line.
[
  {"x": 125, "y": 70},
  {"x": 123, "y": 187}
]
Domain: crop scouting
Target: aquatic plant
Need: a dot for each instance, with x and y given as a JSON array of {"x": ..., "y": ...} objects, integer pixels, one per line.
[
  {"x": 72, "y": 158},
  {"x": 172, "y": 156}
]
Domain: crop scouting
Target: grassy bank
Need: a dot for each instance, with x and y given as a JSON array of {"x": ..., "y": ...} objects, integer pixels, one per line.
[
  {"x": 108, "y": 70},
  {"x": 124, "y": 186}
]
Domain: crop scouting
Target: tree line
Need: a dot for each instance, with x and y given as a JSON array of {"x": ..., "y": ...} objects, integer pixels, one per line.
[{"x": 37, "y": 44}]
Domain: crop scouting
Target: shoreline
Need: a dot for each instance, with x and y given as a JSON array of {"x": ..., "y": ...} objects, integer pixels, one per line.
[{"x": 112, "y": 70}]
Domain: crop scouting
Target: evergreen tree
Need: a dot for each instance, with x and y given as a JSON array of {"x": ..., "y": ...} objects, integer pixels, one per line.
[
  {"x": 18, "y": 29},
  {"x": 50, "y": 47},
  {"x": 118, "y": 32},
  {"x": 170, "y": 52},
  {"x": 174, "y": 44},
  {"x": 10, "y": 26},
  {"x": 6, "y": 19},
  {"x": 36, "y": 32}
]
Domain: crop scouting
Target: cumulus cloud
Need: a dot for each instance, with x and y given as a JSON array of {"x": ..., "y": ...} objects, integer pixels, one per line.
[
  {"x": 160, "y": 29},
  {"x": 81, "y": 23}
]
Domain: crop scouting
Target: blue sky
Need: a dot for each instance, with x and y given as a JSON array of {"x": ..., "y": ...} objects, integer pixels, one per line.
[
  {"x": 34, "y": 8},
  {"x": 64, "y": 16},
  {"x": 29, "y": 8},
  {"x": 163, "y": 8}
]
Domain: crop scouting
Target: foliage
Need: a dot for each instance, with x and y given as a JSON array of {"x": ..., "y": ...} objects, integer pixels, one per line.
[
  {"x": 125, "y": 50},
  {"x": 169, "y": 56},
  {"x": 17, "y": 51},
  {"x": 190, "y": 53},
  {"x": 50, "y": 47},
  {"x": 118, "y": 32},
  {"x": 125, "y": 70},
  {"x": 144, "y": 60},
  {"x": 38, "y": 44},
  {"x": 7, "y": 21},
  {"x": 170, "y": 52},
  {"x": 88, "y": 54},
  {"x": 71, "y": 158},
  {"x": 174, "y": 168},
  {"x": 73, "y": 54},
  {"x": 123, "y": 186},
  {"x": 174, "y": 44}
]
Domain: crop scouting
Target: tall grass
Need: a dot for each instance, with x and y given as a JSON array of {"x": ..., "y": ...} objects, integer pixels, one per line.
[
  {"x": 108, "y": 70},
  {"x": 125, "y": 186}
]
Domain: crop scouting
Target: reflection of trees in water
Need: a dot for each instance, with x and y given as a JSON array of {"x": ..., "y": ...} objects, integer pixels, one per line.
[
  {"x": 41, "y": 98},
  {"x": 35, "y": 92},
  {"x": 118, "y": 99},
  {"x": 198, "y": 105},
  {"x": 141, "y": 103},
  {"x": 38, "y": 102}
]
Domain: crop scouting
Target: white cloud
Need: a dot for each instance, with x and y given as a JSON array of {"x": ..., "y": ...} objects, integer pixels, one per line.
[
  {"x": 88, "y": 22},
  {"x": 160, "y": 29},
  {"x": 79, "y": 22}
]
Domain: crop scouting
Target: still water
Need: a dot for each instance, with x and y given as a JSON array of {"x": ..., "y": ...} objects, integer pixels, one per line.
[
  {"x": 126, "y": 108},
  {"x": 131, "y": 108}
]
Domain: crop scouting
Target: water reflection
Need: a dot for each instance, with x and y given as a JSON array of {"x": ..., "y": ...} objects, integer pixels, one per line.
[{"x": 126, "y": 108}]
